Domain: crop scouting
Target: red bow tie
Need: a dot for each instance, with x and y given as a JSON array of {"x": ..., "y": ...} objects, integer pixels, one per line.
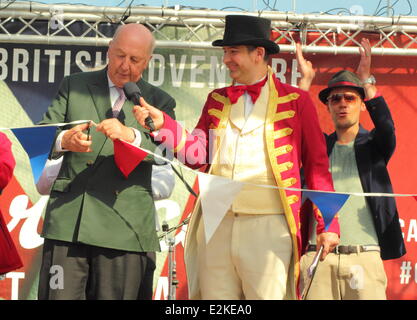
[{"x": 234, "y": 92}]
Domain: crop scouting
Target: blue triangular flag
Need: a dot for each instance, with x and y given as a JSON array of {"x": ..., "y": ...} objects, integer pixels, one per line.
[
  {"x": 328, "y": 203},
  {"x": 37, "y": 142}
]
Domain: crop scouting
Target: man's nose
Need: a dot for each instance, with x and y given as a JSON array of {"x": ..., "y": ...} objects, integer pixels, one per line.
[
  {"x": 125, "y": 64},
  {"x": 342, "y": 105}
]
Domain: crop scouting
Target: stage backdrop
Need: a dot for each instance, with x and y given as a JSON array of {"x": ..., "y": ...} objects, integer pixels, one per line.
[{"x": 30, "y": 76}]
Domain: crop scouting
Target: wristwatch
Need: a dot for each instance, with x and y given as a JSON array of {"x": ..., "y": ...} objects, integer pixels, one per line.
[{"x": 370, "y": 80}]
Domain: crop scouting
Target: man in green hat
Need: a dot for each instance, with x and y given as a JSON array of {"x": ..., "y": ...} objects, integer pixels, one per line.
[{"x": 369, "y": 227}]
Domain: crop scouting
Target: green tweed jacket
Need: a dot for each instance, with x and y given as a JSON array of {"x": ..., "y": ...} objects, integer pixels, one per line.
[{"x": 91, "y": 202}]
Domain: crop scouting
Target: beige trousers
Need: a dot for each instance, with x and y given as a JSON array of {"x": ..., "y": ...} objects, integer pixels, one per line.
[
  {"x": 247, "y": 258},
  {"x": 355, "y": 276}
]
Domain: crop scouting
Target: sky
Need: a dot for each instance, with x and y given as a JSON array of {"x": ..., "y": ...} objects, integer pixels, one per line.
[{"x": 357, "y": 7}]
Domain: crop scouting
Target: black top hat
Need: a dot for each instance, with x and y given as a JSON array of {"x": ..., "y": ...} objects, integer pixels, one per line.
[
  {"x": 247, "y": 30},
  {"x": 341, "y": 79}
]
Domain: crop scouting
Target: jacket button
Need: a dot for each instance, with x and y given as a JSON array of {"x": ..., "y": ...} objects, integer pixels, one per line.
[
  {"x": 90, "y": 163},
  {"x": 116, "y": 192}
]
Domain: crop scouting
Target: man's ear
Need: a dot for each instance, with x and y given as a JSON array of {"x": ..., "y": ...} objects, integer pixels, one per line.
[
  {"x": 109, "y": 48},
  {"x": 149, "y": 60},
  {"x": 363, "y": 106},
  {"x": 260, "y": 53}
]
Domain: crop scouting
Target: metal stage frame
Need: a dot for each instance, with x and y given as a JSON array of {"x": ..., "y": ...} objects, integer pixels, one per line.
[{"x": 179, "y": 27}]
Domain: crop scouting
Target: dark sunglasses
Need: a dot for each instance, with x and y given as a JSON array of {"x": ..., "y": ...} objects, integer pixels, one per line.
[{"x": 337, "y": 97}]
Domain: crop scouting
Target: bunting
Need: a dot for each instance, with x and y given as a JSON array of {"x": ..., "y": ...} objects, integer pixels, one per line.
[
  {"x": 216, "y": 194},
  {"x": 37, "y": 142},
  {"x": 328, "y": 203},
  {"x": 127, "y": 156}
]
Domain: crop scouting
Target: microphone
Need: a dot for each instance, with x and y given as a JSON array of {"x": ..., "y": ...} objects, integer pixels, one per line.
[{"x": 132, "y": 92}]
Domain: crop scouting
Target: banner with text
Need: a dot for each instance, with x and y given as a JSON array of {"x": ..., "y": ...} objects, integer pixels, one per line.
[{"x": 29, "y": 79}]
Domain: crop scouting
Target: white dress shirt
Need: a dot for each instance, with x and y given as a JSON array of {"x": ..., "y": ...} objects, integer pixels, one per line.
[{"x": 247, "y": 98}]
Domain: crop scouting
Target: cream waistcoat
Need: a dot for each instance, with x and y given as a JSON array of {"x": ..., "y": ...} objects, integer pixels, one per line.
[{"x": 243, "y": 157}]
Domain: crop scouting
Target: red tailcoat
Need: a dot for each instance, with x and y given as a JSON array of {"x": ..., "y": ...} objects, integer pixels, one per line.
[{"x": 293, "y": 139}]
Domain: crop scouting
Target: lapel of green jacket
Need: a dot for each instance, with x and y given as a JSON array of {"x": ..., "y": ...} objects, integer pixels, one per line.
[{"x": 99, "y": 91}]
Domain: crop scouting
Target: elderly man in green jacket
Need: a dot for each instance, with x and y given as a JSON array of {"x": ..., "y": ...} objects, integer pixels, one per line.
[{"x": 99, "y": 226}]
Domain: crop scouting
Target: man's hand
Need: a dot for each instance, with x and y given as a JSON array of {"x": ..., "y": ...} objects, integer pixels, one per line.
[
  {"x": 364, "y": 68},
  {"x": 146, "y": 110},
  {"x": 306, "y": 69},
  {"x": 329, "y": 240},
  {"x": 114, "y": 129},
  {"x": 76, "y": 140}
]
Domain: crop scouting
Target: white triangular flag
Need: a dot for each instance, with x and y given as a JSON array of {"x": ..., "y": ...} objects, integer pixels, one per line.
[{"x": 216, "y": 194}]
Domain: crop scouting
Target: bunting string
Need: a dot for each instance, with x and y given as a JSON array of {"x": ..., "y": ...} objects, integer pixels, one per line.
[
  {"x": 359, "y": 194},
  {"x": 176, "y": 162},
  {"x": 37, "y": 141},
  {"x": 62, "y": 124}
]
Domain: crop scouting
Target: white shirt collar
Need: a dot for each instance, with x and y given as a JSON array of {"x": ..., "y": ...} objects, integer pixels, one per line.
[{"x": 111, "y": 84}]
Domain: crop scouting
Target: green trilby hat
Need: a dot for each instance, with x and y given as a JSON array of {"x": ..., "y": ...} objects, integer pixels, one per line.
[{"x": 341, "y": 79}]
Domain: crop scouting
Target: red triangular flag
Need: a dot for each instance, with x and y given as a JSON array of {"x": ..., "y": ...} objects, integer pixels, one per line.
[{"x": 127, "y": 156}]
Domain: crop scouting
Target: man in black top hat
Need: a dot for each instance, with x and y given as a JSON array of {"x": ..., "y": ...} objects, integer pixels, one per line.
[
  {"x": 369, "y": 227},
  {"x": 263, "y": 131}
]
